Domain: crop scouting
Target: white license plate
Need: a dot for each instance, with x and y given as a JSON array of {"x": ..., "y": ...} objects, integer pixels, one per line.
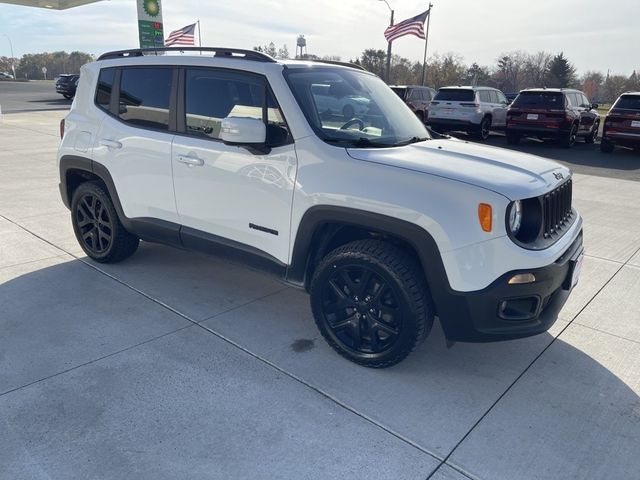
[
  {"x": 635, "y": 123},
  {"x": 532, "y": 116},
  {"x": 577, "y": 268}
]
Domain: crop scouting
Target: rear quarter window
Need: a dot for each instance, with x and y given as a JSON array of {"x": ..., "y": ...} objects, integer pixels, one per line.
[
  {"x": 455, "y": 95},
  {"x": 104, "y": 88}
]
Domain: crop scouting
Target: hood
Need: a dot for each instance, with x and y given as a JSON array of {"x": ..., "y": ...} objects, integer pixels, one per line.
[{"x": 513, "y": 174}]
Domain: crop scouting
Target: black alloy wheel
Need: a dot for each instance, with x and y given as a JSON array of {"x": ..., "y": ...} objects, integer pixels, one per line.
[
  {"x": 97, "y": 226},
  {"x": 94, "y": 223},
  {"x": 371, "y": 303},
  {"x": 361, "y": 309}
]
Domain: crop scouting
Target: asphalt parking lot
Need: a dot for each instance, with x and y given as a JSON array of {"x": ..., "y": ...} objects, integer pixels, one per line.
[{"x": 176, "y": 365}]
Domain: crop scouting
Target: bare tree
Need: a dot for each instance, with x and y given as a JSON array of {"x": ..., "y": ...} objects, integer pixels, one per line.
[{"x": 536, "y": 69}]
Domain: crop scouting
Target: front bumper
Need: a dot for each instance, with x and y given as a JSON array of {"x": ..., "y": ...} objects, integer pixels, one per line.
[{"x": 480, "y": 316}]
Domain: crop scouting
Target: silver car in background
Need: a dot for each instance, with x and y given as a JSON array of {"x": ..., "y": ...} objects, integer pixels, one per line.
[{"x": 474, "y": 110}]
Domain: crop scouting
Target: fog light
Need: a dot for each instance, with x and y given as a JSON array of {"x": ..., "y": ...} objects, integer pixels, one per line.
[{"x": 522, "y": 278}]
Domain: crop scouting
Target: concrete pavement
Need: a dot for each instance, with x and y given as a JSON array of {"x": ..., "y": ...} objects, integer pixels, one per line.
[{"x": 176, "y": 365}]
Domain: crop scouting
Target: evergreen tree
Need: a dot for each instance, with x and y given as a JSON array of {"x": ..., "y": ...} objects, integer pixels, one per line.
[{"x": 562, "y": 74}]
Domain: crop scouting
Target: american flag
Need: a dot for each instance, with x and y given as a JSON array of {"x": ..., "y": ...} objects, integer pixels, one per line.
[
  {"x": 410, "y": 26},
  {"x": 182, "y": 36}
]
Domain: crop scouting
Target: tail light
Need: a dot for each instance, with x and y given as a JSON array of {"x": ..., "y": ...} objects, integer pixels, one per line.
[{"x": 61, "y": 129}]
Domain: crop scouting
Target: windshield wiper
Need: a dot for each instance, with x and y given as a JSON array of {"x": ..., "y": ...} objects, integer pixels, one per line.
[
  {"x": 410, "y": 141},
  {"x": 361, "y": 142}
]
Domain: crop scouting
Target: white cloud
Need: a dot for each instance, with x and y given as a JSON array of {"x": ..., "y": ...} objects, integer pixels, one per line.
[{"x": 591, "y": 37}]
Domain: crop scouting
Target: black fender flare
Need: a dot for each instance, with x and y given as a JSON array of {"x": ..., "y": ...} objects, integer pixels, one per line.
[{"x": 419, "y": 239}]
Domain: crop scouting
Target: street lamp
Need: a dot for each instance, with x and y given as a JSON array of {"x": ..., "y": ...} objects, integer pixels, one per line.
[
  {"x": 13, "y": 67},
  {"x": 388, "y": 69}
]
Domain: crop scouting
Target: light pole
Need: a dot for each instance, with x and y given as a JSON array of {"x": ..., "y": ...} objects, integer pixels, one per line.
[
  {"x": 13, "y": 67},
  {"x": 388, "y": 69}
]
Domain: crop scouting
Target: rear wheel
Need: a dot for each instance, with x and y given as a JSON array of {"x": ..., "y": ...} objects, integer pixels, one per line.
[
  {"x": 67, "y": 96},
  {"x": 591, "y": 138},
  {"x": 513, "y": 138},
  {"x": 569, "y": 139},
  {"x": 482, "y": 133},
  {"x": 97, "y": 226},
  {"x": 371, "y": 303},
  {"x": 606, "y": 146}
]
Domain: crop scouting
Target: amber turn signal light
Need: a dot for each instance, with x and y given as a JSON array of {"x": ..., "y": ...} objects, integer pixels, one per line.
[{"x": 485, "y": 215}]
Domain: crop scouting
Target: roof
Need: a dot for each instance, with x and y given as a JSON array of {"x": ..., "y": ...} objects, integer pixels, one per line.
[
  {"x": 411, "y": 86},
  {"x": 545, "y": 89},
  {"x": 466, "y": 87},
  {"x": 50, "y": 4}
]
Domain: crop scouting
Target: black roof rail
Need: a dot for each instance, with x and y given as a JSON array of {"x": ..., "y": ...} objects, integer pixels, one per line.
[
  {"x": 334, "y": 62},
  {"x": 219, "y": 52}
]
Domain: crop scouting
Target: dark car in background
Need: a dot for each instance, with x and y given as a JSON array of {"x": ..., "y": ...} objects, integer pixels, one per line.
[
  {"x": 416, "y": 97},
  {"x": 552, "y": 113},
  {"x": 622, "y": 123},
  {"x": 66, "y": 85}
]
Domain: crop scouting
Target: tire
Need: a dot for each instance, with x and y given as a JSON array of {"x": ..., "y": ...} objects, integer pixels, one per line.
[
  {"x": 483, "y": 130},
  {"x": 591, "y": 138},
  {"x": 569, "y": 140},
  {"x": 67, "y": 96},
  {"x": 348, "y": 112},
  {"x": 379, "y": 322},
  {"x": 97, "y": 226},
  {"x": 513, "y": 138},
  {"x": 420, "y": 116},
  {"x": 606, "y": 146}
]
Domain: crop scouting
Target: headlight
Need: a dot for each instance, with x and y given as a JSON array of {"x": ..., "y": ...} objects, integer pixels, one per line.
[{"x": 515, "y": 217}]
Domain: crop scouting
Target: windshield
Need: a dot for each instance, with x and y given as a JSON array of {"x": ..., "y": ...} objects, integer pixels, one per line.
[
  {"x": 353, "y": 109},
  {"x": 628, "y": 102},
  {"x": 455, "y": 95},
  {"x": 540, "y": 100}
]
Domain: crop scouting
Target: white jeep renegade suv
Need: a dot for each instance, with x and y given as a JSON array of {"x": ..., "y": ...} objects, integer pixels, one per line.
[{"x": 386, "y": 227}]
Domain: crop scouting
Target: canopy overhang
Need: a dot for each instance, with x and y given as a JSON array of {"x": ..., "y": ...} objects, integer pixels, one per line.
[{"x": 50, "y": 4}]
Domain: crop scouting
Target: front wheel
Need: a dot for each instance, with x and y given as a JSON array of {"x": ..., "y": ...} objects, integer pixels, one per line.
[
  {"x": 569, "y": 139},
  {"x": 371, "y": 303},
  {"x": 97, "y": 226},
  {"x": 591, "y": 138}
]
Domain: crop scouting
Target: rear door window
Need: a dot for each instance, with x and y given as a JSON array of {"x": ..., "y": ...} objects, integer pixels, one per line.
[
  {"x": 145, "y": 95},
  {"x": 455, "y": 95}
]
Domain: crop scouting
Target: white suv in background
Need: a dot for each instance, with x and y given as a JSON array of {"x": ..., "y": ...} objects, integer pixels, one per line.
[
  {"x": 231, "y": 153},
  {"x": 474, "y": 110}
]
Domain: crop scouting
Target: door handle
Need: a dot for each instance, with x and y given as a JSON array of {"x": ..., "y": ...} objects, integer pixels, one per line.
[
  {"x": 191, "y": 161},
  {"x": 110, "y": 143}
]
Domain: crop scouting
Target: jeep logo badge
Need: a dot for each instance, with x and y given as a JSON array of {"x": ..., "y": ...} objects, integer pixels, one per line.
[{"x": 558, "y": 176}]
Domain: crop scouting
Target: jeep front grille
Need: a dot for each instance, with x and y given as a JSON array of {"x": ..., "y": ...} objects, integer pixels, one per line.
[{"x": 556, "y": 210}]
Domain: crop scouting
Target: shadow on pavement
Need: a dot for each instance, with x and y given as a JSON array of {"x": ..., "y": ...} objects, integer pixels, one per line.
[{"x": 64, "y": 315}]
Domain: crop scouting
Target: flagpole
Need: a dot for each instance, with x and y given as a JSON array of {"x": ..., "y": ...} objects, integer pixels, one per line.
[
  {"x": 199, "y": 36},
  {"x": 426, "y": 42}
]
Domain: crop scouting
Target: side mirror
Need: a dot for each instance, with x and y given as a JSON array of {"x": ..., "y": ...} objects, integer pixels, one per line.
[
  {"x": 244, "y": 131},
  {"x": 594, "y": 106}
]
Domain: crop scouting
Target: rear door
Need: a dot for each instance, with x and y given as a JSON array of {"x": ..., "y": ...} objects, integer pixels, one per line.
[
  {"x": 499, "y": 108},
  {"x": 229, "y": 191},
  {"x": 134, "y": 140}
]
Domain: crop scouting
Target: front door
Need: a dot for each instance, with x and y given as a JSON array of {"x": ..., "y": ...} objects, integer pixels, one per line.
[{"x": 232, "y": 192}]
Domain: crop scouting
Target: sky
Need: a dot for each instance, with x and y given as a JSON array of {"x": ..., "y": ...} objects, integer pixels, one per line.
[{"x": 593, "y": 35}]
